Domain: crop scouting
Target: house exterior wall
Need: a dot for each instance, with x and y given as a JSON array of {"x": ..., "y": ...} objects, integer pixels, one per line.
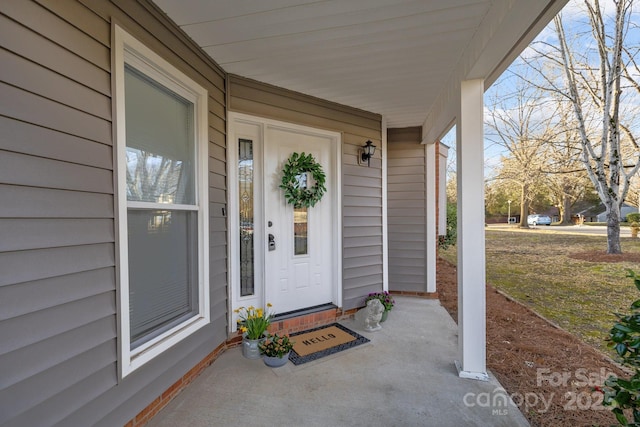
[
  {"x": 406, "y": 194},
  {"x": 58, "y": 310},
  {"x": 624, "y": 211},
  {"x": 361, "y": 185}
]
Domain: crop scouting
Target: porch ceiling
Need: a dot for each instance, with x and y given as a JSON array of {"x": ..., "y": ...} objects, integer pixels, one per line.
[{"x": 403, "y": 59}]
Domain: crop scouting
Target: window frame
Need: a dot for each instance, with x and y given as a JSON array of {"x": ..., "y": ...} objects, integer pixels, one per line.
[{"x": 129, "y": 50}]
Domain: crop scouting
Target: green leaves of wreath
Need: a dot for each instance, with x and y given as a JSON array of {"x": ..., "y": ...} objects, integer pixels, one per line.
[{"x": 296, "y": 165}]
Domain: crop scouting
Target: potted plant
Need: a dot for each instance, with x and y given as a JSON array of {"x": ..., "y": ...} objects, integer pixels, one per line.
[
  {"x": 386, "y": 299},
  {"x": 275, "y": 349},
  {"x": 252, "y": 323}
]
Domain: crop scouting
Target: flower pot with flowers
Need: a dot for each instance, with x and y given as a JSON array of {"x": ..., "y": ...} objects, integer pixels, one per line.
[
  {"x": 386, "y": 299},
  {"x": 276, "y": 349},
  {"x": 253, "y": 323}
]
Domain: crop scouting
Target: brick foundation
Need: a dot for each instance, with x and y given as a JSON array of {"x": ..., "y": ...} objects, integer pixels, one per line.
[{"x": 309, "y": 321}]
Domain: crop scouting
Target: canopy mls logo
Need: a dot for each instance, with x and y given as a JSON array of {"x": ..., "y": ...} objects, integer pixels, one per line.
[
  {"x": 585, "y": 393},
  {"x": 499, "y": 401},
  {"x": 581, "y": 377}
]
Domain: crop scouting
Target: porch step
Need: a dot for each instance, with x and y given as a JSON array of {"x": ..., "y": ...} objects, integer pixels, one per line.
[
  {"x": 304, "y": 312},
  {"x": 308, "y": 318}
]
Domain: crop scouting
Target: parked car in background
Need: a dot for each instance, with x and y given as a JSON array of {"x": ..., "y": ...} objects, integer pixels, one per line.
[{"x": 538, "y": 220}]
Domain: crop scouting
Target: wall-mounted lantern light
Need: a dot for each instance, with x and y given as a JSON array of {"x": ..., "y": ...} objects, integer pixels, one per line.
[{"x": 367, "y": 152}]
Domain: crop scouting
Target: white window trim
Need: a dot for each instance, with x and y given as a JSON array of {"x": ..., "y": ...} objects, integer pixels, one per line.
[{"x": 130, "y": 50}]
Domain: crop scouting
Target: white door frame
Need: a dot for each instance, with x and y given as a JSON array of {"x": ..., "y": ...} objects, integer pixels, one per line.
[{"x": 334, "y": 190}]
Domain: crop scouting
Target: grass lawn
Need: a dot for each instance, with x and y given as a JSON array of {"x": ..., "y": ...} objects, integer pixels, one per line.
[{"x": 580, "y": 296}]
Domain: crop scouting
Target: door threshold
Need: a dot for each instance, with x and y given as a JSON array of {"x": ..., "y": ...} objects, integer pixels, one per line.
[{"x": 303, "y": 312}]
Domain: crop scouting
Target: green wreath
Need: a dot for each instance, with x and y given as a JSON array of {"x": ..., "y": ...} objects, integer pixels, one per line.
[{"x": 296, "y": 194}]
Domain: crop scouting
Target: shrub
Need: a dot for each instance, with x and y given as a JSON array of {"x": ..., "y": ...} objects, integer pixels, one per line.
[
  {"x": 633, "y": 217},
  {"x": 624, "y": 338},
  {"x": 449, "y": 239}
]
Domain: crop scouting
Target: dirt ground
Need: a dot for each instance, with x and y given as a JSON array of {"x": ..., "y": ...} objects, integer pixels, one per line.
[{"x": 550, "y": 374}]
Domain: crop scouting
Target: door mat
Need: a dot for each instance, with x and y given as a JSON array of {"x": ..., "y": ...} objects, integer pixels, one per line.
[{"x": 323, "y": 341}]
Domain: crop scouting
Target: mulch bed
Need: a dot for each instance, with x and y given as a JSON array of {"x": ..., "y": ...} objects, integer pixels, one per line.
[{"x": 551, "y": 375}]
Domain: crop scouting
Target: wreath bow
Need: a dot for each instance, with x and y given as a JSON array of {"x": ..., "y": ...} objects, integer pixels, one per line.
[{"x": 299, "y": 196}]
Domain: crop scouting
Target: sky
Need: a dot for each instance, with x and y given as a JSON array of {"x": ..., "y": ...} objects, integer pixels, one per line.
[{"x": 578, "y": 31}]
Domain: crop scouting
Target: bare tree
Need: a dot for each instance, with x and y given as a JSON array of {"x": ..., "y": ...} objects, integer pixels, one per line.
[
  {"x": 566, "y": 178},
  {"x": 592, "y": 85},
  {"x": 516, "y": 124}
]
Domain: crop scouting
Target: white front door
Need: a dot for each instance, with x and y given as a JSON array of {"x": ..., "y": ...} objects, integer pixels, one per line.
[
  {"x": 303, "y": 269},
  {"x": 299, "y": 243}
]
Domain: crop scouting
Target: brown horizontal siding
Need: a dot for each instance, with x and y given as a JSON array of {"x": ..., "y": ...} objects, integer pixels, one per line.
[
  {"x": 365, "y": 221},
  {"x": 81, "y": 17},
  {"x": 407, "y": 161},
  {"x": 75, "y": 398},
  {"x": 406, "y": 283},
  {"x": 357, "y": 211},
  {"x": 415, "y": 205},
  {"x": 363, "y": 261},
  {"x": 24, "y": 266},
  {"x": 408, "y": 186},
  {"x": 32, "y": 108},
  {"x": 406, "y": 210},
  {"x": 39, "y": 388},
  {"x": 360, "y": 251},
  {"x": 404, "y": 178},
  {"x": 361, "y": 231},
  {"x": 35, "y": 171},
  {"x": 44, "y": 324},
  {"x": 356, "y": 242},
  {"x": 21, "y": 137},
  {"x": 406, "y": 220},
  {"x": 361, "y": 185},
  {"x": 37, "y": 48},
  {"x": 27, "y": 361},
  {"x": 58, "y": 334},
  {"x": 36, "y": 295},
  {"x": 356, "y": 202},
  {"x": 55, "y": 29},
  {"x": 398, "y": 245},
  {"x": 31, "y": 202},
  {"x": 24, "y": 234},
  {"x": 34, "y": 78}
]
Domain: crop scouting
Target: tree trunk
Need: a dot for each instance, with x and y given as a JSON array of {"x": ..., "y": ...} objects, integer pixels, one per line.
[
  {"x": 561, "y": 215},
  {"x": 566, "y": 211},
  {"x": 524, "y": 207},
  {"x": 613, "y": 229}
]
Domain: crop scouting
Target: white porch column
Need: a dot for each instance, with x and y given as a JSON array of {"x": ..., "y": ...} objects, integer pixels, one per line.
[
  {"x": 471, "y": 256},
  {"x": 385, "y": 226},
  {"x": 430, "y": 220}
]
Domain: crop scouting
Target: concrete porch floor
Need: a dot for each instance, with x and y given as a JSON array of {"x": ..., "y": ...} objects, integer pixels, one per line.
[{"x": 404, "y": 377}]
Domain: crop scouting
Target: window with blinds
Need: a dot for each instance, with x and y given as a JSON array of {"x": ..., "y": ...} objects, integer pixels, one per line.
[{"x": 162, "y": 192}]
